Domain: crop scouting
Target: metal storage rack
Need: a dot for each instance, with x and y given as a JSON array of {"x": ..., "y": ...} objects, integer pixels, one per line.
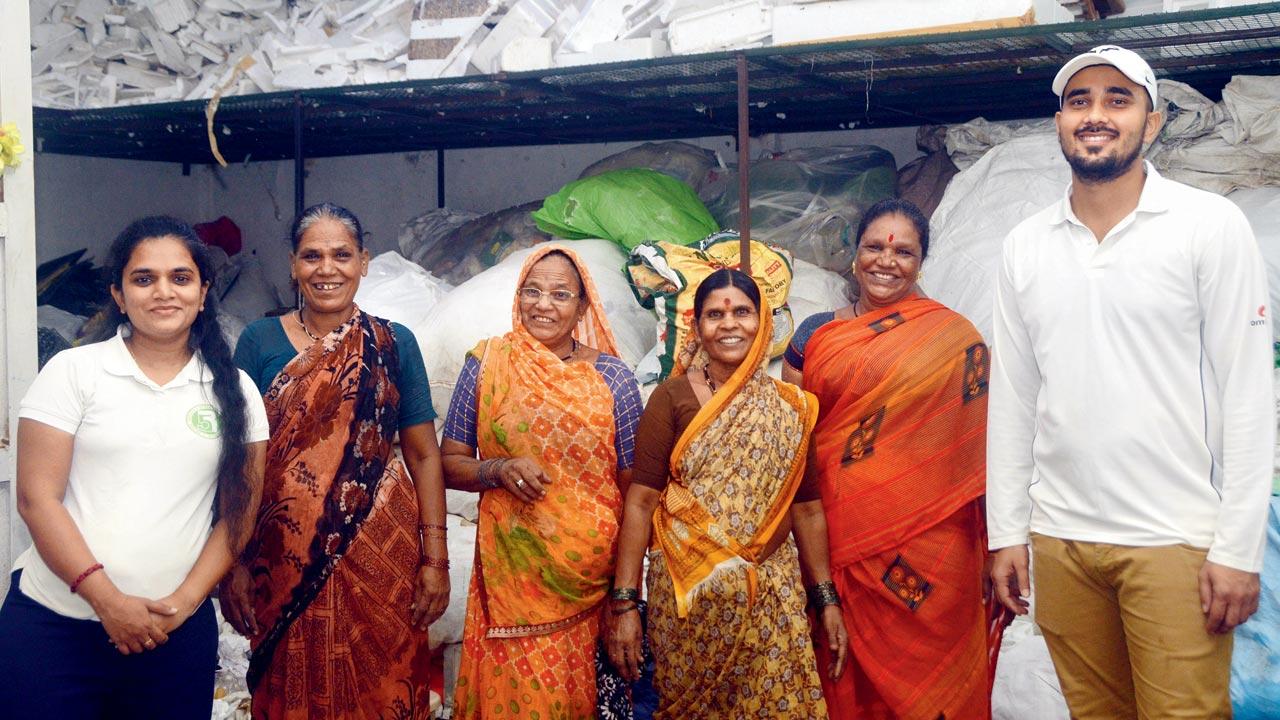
[
  {"x": 912, "y": 80},
  {"x": 943, "y": 78}
]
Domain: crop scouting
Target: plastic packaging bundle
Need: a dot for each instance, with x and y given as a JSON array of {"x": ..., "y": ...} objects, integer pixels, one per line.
[
  {"x": 481, "y": 243},
  {"x": 665, "y": 277},
  {"x": 687, "y": 163},
  {"x": 810, "y": 200},
  {"x": 1255, "y": 660},
  {"x": 419, "y": 235},
  {"x": 629, "y": 207}
]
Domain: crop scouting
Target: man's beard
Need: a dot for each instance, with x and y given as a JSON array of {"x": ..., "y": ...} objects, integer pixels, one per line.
[{"x": 1098, "y": 170}]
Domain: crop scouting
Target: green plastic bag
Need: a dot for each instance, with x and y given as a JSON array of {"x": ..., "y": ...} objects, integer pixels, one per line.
[{"x": 629, "y": 207}]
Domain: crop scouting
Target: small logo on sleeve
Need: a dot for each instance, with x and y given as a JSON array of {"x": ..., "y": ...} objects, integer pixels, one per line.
[
  {"x": 1262, "y": 317},
  {"x": 203, "y": 420}
]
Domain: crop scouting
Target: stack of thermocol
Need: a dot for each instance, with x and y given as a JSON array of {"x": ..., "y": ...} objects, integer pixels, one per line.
[{"x": 96, "y": 53}]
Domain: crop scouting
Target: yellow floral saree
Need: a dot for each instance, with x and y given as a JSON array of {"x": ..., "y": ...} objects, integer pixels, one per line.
[{"x": 728, "y": 627}]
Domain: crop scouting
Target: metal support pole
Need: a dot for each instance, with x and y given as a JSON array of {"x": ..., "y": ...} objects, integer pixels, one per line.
[
  {"x": 744, "y": 167},
  {"x": 440, "y": 178},
  {"x": 299, "y": 174}
]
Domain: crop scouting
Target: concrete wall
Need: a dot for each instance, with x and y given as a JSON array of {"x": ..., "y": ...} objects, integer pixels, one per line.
[{"x": 83, "y": 202}]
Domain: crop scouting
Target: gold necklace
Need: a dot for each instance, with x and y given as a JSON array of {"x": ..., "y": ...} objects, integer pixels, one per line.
[{"x": 304, "y": 327}]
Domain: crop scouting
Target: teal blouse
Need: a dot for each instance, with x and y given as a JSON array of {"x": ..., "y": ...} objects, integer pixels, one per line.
[{"x": 264, "y": 349}]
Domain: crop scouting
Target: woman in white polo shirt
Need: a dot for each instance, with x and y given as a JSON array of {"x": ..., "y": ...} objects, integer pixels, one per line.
[{"x": 139, "y": 470}]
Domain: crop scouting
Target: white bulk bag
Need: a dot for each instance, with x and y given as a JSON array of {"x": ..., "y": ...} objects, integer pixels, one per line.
[
  {"x": 1011, "y": 182},
  {"x": 399, "y": 290}
]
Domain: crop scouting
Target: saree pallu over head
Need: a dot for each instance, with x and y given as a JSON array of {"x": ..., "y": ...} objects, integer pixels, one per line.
[
  {"x": 334, "y": 412},
  {"x": 544, "y": 565},
  {"x": 753, "y": 434},
  {"x": 904, "y": 405}
]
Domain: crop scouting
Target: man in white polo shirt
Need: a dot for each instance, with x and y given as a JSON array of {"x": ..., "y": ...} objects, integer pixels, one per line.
[{"x": 1131, "y": 416}]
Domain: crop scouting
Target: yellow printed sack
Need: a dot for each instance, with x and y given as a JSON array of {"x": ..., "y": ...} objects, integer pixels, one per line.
[{"x": 664, "y": 277}]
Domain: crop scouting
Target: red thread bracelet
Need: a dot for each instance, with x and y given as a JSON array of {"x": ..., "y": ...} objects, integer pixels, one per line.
[{"x": 88, "y": 571}]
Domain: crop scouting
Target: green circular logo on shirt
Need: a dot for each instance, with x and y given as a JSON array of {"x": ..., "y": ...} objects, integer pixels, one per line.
[{"x": 204, "y": 421}]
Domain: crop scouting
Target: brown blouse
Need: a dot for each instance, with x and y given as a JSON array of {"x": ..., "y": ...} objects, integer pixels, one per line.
[{"x": 671, "y": 408}]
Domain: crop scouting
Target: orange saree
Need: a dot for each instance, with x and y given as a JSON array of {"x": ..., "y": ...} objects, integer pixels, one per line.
[
  {"x": 334, "y": 550},
  {"x": 543, "y": 568},
  {"x": 901, "y": 459}
]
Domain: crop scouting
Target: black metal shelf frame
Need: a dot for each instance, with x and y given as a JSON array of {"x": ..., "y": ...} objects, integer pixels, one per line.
[{"x": 884, "y": 82}]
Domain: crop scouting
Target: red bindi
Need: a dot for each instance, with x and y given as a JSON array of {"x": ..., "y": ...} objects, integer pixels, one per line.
[
  {"x": 726, "y": 303},
  {"x": 890, "y": 237}
]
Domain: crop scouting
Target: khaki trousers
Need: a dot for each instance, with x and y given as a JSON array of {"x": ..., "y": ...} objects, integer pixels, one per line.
[{"x": 1126, "y": 632}]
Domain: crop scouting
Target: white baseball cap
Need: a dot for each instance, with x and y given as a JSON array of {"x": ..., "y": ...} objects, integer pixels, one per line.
[{"x": 1126, "y": 61}]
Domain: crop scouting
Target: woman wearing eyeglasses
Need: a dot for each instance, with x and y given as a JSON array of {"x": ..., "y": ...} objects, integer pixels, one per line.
[{"x": 542, "y": 424}]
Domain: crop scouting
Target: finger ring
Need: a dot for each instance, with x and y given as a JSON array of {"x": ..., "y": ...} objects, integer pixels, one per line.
[
  {"x": 149, "y": 642},
  {"x": 520, "y": 483}
]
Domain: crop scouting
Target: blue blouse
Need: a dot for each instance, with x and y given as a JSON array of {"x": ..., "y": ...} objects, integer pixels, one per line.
[{"x": 800, "y": 338}]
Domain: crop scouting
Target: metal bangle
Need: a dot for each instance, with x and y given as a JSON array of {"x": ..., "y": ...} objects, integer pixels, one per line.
[
  {"x": 823, "y": 594},
  {"x": 488, "y": 474},
  {"x": 423, "y": 535},
  {"x": 624, "y": 594},
  {"x": 624, "y": 610}
]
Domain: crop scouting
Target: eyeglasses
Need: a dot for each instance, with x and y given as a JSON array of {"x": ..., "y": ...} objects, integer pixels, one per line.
[{"x": 559, "y": 297}]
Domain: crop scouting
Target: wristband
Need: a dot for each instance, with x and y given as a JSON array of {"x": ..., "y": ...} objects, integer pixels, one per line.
[
  {"x": 442, "y": 563},
  {"x": 88, "y": 571}
]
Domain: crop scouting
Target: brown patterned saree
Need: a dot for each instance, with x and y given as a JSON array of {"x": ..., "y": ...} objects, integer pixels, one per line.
[{"x": 334, "y": 551}]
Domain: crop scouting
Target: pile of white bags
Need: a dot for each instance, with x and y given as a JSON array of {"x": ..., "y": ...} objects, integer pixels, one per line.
[
  {"x": 447, "y": 629},
  {"x": 1216, "y": 147},
  {"x": 815, "y": 290},
  {"x": 1222, "y": 146},
  {"x": 1012, "y": 181},
  {"x": 248, "y": 294}
]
